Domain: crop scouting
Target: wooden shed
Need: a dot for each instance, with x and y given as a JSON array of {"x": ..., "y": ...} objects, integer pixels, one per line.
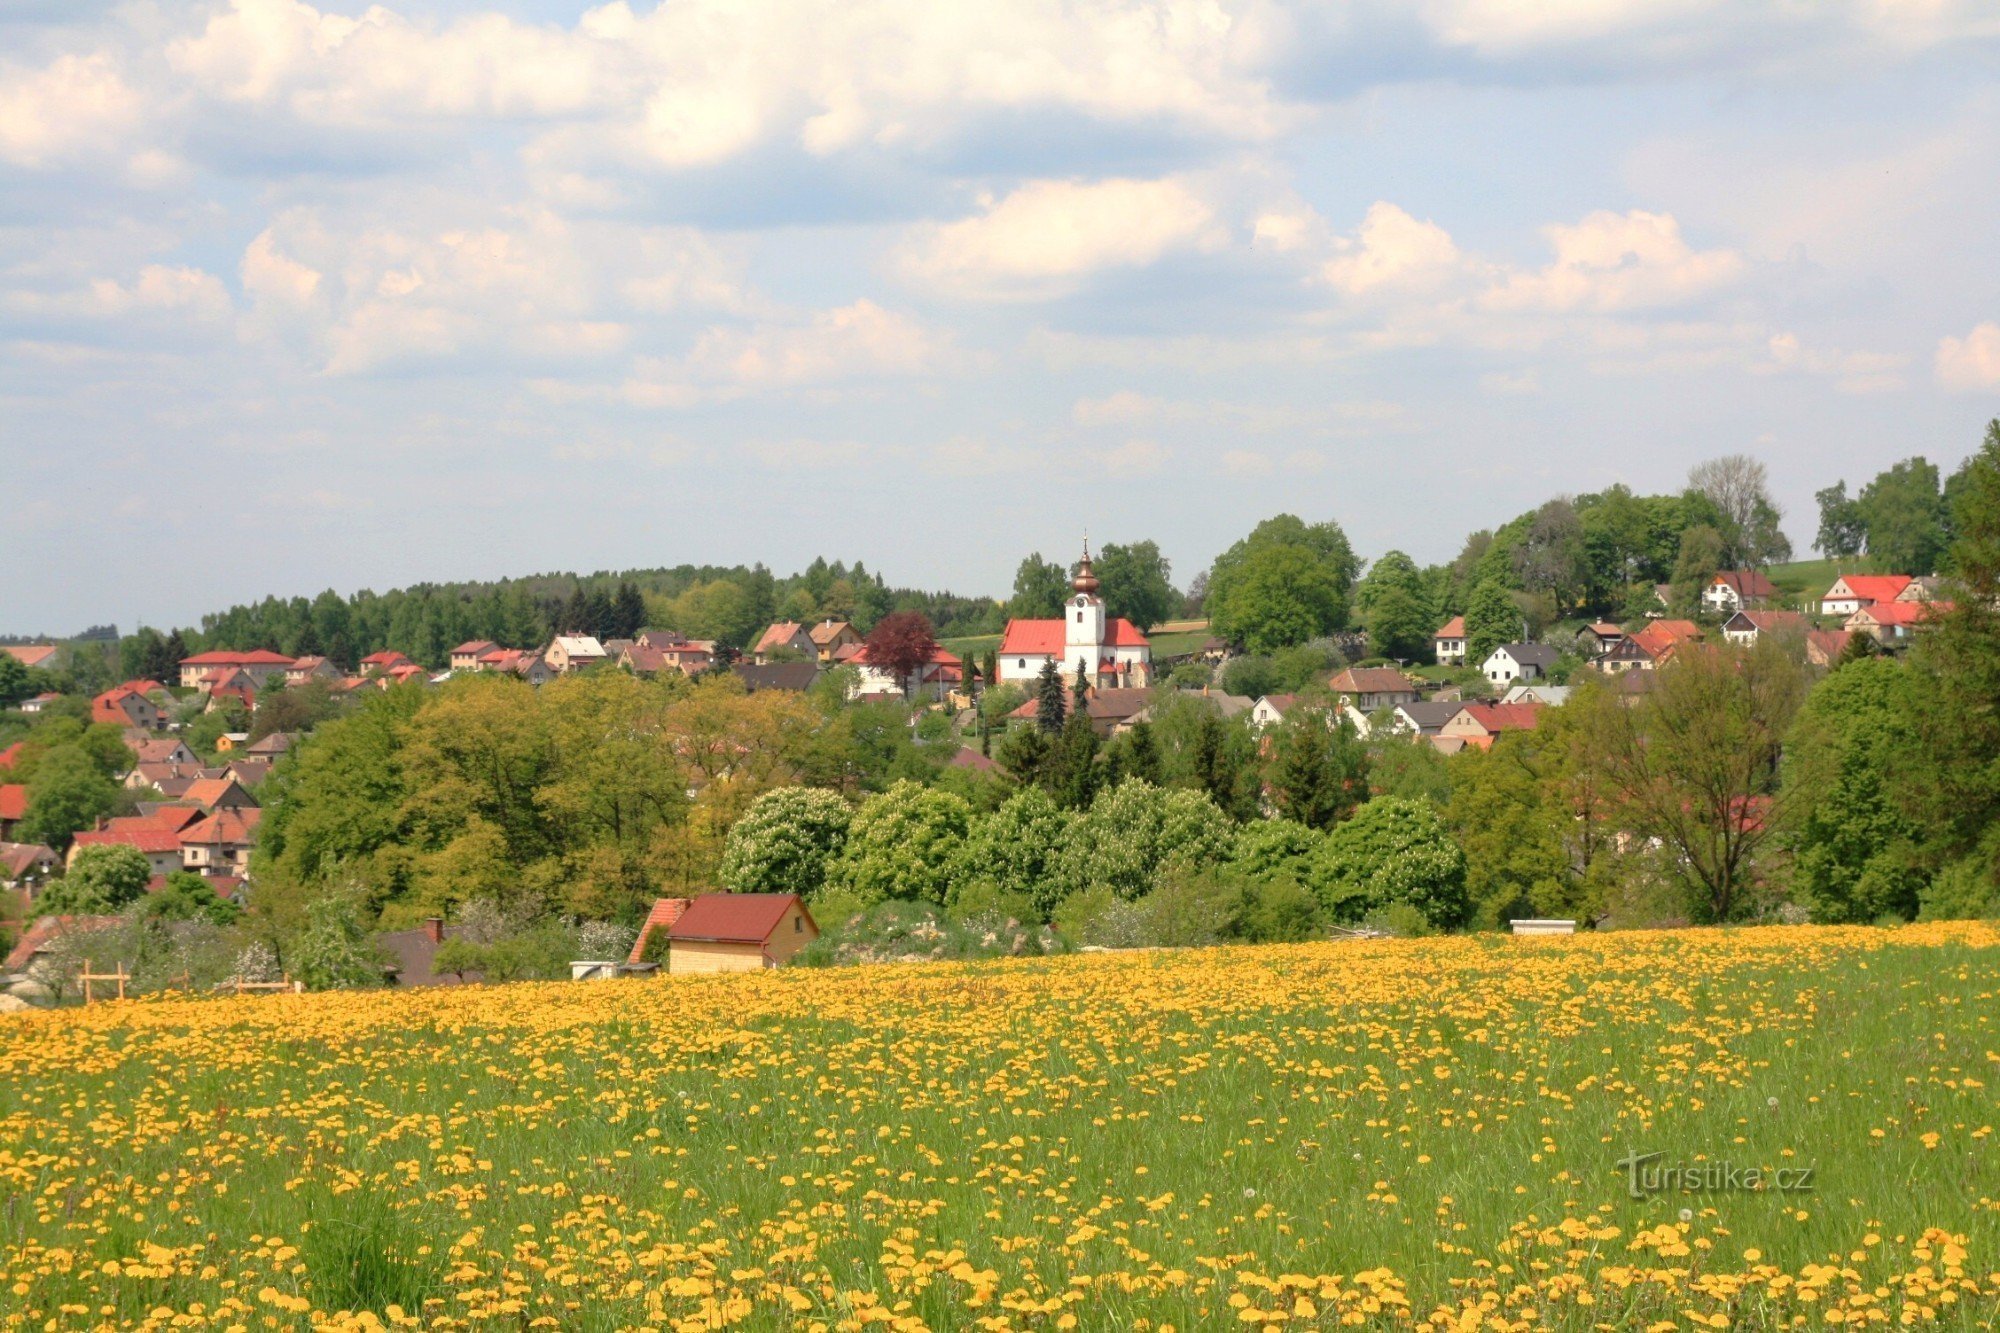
[{"x": 738, "y": 932}]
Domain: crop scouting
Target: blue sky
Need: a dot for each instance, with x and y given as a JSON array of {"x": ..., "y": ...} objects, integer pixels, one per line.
[{"x": 295, "y": 297}]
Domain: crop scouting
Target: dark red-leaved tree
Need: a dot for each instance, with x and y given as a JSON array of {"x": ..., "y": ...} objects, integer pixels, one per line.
[{"x": 902, "y": 642}]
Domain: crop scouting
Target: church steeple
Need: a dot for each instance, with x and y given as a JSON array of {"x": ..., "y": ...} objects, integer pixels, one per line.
[{"x": 1085, "y": 581}]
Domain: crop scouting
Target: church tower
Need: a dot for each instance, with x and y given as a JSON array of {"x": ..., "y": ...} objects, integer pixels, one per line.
[{"x": 1083, "y": 623}]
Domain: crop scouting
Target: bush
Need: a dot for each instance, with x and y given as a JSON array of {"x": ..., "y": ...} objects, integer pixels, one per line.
[
  {"x": 102, "y": 879},
  {"x": 1016, "y": 849},
  {"x": 1135, "y": 833},
  {"x": 785, "y": 842},
  {"x": 907, "y": 843},
  {"x": 1393, "y": 850}
]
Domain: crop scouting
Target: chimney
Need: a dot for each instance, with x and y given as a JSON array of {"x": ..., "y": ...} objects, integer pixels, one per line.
[{"x": 434, "y": 929}]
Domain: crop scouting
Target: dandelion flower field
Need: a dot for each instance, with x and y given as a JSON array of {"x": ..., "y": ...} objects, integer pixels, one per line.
[{"x": 1387, "y": 1134}]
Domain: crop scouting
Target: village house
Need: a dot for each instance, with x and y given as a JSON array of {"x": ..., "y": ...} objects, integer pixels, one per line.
[
  {"x": 1110, "y": 710},
  {"x": 122, "y": 706},
  {"x": 830, "y": 636},
  {"x": 786, "y": 636},
  {"x": 1552, "y": 696},
  {"x": 311, "y": 667},
  {"x": 1825, "y": 647},
  {"x": 258, "y": 667},
  {"x": 1851, "y": 592},
  {"x": 269, "y": 747},
  {"x": 569, "y": 653},
  {"x": 932, "y": 681},
  {"x": 466, "y": 656},
  {"x": 26, "y": 866},
  {"x": 32, "y": 655},
  {"x": 1107, "y": 652},
  {"x": 1449, "y": 642},
  {"x": 738, "y": 932},
  {"x": 1425, "y": 718},
  {"x": 1478, "y": 725},
  {"x": 1743, "y": 628},
  {"x": 413, "y": 953},
  {"x": 1270, "y": 710},
  {"x": 1661, "y": 638},
  {"x": 1599, "y": 639},
  {"x": 157, "y": 837},
  {"x": 669, "y": 650},
  {"x": 1371, "y": 689},
  {"x": 1519, "y": 661},
  {"x": 1893, "y": 622},
  {"x": 382, "y": 663},
  {"x": 39, "y": 702},
  {"x": 13, "y": 808},
  {"x": 1734, "y": 590},
  {"x": 794, "y": 676},
  {"x": 218, "y": 844}
]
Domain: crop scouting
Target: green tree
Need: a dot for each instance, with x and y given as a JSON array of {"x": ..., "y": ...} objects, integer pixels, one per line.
[
  {"x": 1703, "y": 552},
  {"x": 1395, "y": 607},
  {"x": 1904, "y": 513},
  {"x": 1842, "y": 529},
  {"x": 1491, "y": 619},
  {"x": 1393, "y": 851},
  {"x": 1051, "y": 708},
  {"x": 1694, "y": 763},
  {"x": 785, "y": 841},
  {"x": 1039, "y": 589},
  {"x": 1015, "y": 847},
  {"x": 1135, "y": 834},
  {"x": 68, "y": 793},
  {"x": 1071, "y": 772},
  {"x": 1135, "y": 582},
  {"x": 1847, "y": 763},
  {"x": 1319, "y": 770},
  {"x": 189, "y": 897},
  {"x": 100, "y": 880},
  {"x": 15, "y": 682},
  {"x": 907, "y": 843},
  {"x": 334, "y": 951},
  {"x": 1279, "y": 594}
]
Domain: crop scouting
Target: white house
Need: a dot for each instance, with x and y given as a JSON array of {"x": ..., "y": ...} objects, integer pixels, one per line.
[
  {"x": 1555, "y": 696},
  {"x": 1112, "y": 653},
  {"x": 1450, "y": 642},
  {"x": 1851, "y": 592},
  {"x": 574, "y": 652},
  {"x": 1734, "y": 589},
  {"x": 1743, "y": 628},
  {"x": 1519, "y": 661}
]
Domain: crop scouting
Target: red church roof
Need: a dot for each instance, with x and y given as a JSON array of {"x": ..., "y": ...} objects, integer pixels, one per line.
[{"x": 1046, "y": 638}]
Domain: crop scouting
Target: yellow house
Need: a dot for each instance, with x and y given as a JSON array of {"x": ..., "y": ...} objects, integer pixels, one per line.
[{"x": 738, "y": 932}]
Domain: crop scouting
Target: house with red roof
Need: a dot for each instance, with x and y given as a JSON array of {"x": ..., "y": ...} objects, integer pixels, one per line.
[
  {"x": 1450, "y": 642},
  {"x": 466, "y": 656},
  {"x": 123, "y": 706},
  {"x": 259, "y": 664},
  {"x": 13, "y": 807},
  {"x": 1851, "y": 592},
  {"x": 41, "y": 936},
  {"x": 26, "y": 866},
  {"x": 1478, "y": 725},
  {"x": 785, "y": 636},
  {"x": 31, "y": 654},
  {"x": 1371, "y": 689},
  {"x": 1893, "y": 622},
  {"x": 1108, "y": 651},
  {"x": 1734, "y": 589},
  {"x": 218, "y": 844},
  {"x": 1825, "y": 647},
  {"x": 383, "y": 663},
  {"x": 311, "y": 667},
  {"x": 157, "y": 841},
  {"x": 933, "y": 680},
  {"x": 737, "y": 932},
  {"x": 830, "y": 636}
]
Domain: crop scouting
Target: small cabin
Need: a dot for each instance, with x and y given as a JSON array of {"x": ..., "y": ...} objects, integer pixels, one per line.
[
  {"x": 1542, "y": 927},
  {"x": 738, "y": 932}
]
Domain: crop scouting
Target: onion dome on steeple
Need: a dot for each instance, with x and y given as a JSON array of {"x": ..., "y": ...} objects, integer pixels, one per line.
[{"x": 1085, "y": 581}]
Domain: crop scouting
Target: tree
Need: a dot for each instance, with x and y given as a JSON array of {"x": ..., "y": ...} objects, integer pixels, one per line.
[
  {"x": 1136, "y": 834},
  {"x": 902, "y": 643},
  {"x": 1739, "y": 488},
  {"x": 1395, "y": 607},
  {"x": 1320, "y": 770},
  {"x": 67, "y": 793},
  {"x": 1392, "y": 851},
  {"x": 1491, "y": 619},
  {"x": 15, "y": 682},
  {"x": 785, "y": 841},
  {"x": 1847, "y": 762},
  {"x": 334, "y": 952},
  {"x": 1957, "y": 659},
  {"x": 1551, "y": 556},
  {"x": 1694, "y": 763},
  {"x": 1051, "y": 706},
  {"x": 101, "y": 880},
  {"x": 1015, "y": 847},
  {"x": 189, "y": 897},
  {"x": 1070, "y": 772},
  {"x": 1135, "y": 582},
  {"x": 1040, "y": 586},
  {"x": 1904, "y": 514},
  {"x": 1843, "y": 531},
  {"x": 1704, "y": 551},
  {"x": 1288, "y": 581},
  {"x": 1277, "y": 595},
  {"x": 907, "y": 843}
]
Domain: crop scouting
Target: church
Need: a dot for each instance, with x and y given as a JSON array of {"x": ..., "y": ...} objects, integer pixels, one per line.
[{"x": 1112, "y": 654}]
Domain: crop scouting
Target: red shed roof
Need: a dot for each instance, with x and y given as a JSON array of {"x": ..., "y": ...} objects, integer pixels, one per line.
[
  {"x": 13, "y": 801},
  {"x": 734, "y": 918}
]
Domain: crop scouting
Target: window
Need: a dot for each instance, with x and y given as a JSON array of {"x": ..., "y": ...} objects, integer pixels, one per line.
[
  {"x": 1079, "y": 617},
  {"x": 798, "y": 925},
  {"x": 1022, "y": 663}
]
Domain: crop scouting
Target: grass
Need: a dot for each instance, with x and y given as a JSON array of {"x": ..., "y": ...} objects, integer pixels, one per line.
[
  {"x": 1375, "y": 1132},
  {"x": 1810, "y": 578}
]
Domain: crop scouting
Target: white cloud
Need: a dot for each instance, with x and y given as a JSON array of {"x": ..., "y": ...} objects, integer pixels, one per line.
[
  {"x": 175, "y": 292},
  {"x": 1615, "y": 262},
  {"x": 1043, "y": 239},
  {"x": 1852, "y": 372},
  {"x": 1971, "y": 362},
  {"x": 1134, "y": 458},
  {"x": 1122, "y": 406},
  {"x": 76, "y": 106},
  {"x": 1392, "y": 249},
  {"x": 861, "y": 340}
]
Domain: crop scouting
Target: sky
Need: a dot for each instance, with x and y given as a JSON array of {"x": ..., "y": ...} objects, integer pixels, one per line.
[{"x": 296, "y": 297}]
